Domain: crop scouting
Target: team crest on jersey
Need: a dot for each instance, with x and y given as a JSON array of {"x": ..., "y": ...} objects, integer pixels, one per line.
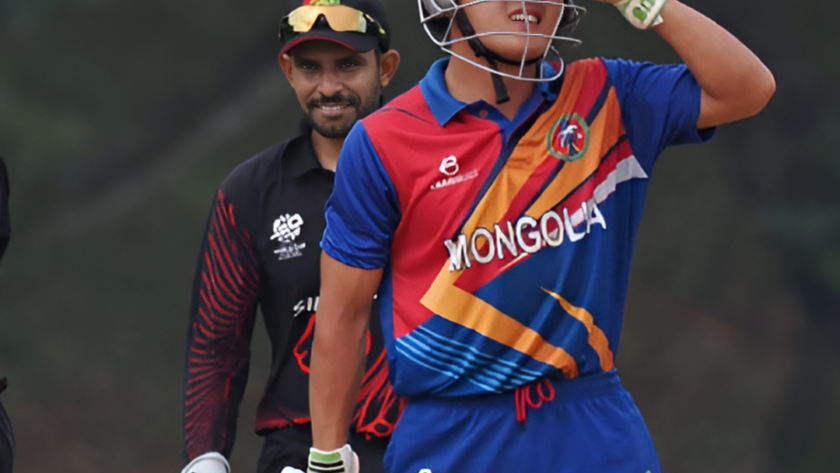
[
  {"x": 286, "y": 230},
  {"x": 568, "y": 138}
]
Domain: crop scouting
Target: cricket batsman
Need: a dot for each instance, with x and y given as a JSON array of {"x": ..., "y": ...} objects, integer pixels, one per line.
[{"x": 494, "y": 209}]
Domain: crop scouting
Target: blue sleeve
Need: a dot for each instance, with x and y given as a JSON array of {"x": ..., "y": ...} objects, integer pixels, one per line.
[
  {"x": 660, "y": 106},
  {"x": 363, "y": 211}
]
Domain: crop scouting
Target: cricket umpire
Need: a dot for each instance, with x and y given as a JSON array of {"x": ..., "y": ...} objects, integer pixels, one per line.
[{"x": 260, "y": 248}]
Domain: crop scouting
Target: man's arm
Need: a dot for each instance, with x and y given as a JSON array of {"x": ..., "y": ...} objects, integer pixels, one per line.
[
  {"x": 338, "y": 349},
  {"x": 221, "y": 322},
  {"x": 735, "y": 83}
]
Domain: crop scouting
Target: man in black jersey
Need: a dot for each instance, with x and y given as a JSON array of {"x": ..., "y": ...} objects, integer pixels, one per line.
[
  {"x": 7, "y": 438},
  {"x": 261, "y": 248}
]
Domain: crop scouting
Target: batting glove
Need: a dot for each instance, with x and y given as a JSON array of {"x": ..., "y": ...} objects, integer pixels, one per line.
[
  {"x": 291, "y": 469},
  {"x": 210, "y": 462},
  {"x": 343, "y": 460},
  {"x": 642, "y": 14}
]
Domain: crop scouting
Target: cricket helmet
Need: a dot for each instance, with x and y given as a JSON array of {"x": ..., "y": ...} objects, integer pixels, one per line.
[{"x": 438, "y": 18}]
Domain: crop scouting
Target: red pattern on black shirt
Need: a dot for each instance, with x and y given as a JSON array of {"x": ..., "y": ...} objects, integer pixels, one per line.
[{"x": 222, "y": 325}]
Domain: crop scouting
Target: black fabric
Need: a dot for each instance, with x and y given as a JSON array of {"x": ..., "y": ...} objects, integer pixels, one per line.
[
  {"x": 355, "y": 41},
  {"x": 5, "y": 227},
  {"x": 500, "y": 89},
  {"x": 7, "y": 443},
  {"x": 261, "y": 248},
  {"x": 290, "y": 447},
  {"x": 7, "y": 437}
]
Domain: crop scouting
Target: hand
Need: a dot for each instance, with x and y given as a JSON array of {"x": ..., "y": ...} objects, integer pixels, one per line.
[
  {"x": 640, "y": 13},
  {"x": 210, "y": 462},
  {"x": 344, "y": 459},
  {"x": 291, "y": 469}
]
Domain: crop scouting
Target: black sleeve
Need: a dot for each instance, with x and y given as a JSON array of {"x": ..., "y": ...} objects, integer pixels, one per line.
[
  {"x": 7, "y": 441},
  {"x": 7, "y": 438},
  {"x": 221, "y": 323},
  {"x": 5, "y": 227}
]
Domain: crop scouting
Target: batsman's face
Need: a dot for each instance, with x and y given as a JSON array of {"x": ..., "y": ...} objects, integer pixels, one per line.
[
  {"x": 335, "y": 86},
  {"x": 515, "y": 17}
]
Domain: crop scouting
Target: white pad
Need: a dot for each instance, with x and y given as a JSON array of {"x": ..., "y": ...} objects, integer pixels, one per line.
[
  {"x": 210, "y": 462},
  {"x": 348, "y": 457}
]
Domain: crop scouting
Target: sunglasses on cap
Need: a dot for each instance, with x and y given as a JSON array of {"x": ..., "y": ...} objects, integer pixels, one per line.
[{"x": 340, "y": 18}]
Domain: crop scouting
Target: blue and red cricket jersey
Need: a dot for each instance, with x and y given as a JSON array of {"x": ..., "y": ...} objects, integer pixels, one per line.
[{"x": 506, "y": 243}]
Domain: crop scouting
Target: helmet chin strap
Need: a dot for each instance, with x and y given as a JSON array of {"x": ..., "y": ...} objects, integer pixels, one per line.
[{"x": 492, "y": 57}]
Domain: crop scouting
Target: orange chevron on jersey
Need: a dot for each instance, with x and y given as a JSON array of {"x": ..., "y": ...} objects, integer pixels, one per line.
[
  {"x": 533, "y": 182},
  {"x": 506, "y": 242}
]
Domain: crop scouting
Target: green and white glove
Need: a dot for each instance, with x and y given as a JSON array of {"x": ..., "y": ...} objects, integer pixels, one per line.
[
  {"x": 343, "y": 460},
  {"x": 642, "y": 14}
]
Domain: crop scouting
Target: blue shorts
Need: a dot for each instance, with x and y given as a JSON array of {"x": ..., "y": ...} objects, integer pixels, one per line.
[{"x": 585, "y": 425}]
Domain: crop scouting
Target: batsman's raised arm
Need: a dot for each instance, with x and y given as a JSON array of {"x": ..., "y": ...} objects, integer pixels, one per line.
[
  {"x": 735, "y": 83},
  {"x": 338, "y": 349}
]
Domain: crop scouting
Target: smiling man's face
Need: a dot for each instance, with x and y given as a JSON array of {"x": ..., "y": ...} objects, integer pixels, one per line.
[{"x": 335, "y": 86}]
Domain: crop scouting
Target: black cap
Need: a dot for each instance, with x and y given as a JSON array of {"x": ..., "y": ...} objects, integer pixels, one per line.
[{"x": 361, "y": 42}]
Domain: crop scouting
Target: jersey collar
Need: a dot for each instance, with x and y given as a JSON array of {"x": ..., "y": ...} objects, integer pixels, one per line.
[
  {"x": 444, "y": 106},
  {"x": 299, "y": 155}
]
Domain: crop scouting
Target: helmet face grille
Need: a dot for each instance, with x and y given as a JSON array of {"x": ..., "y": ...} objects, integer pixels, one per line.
[{"x": 438, "y": 18}]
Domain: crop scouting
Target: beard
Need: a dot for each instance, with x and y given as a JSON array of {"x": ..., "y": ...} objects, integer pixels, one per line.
[{"x": 339, "y": 127}]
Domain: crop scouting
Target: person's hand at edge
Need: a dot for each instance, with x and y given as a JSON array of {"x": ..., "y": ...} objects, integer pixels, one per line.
[
  {"x": 344, "y": 459},
  {"x": 210, "y": 462},
  {"x": 642, "y": 14}
]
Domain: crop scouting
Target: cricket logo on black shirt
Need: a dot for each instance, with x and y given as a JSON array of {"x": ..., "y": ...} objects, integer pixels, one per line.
[{"x": 286, "y": 229}]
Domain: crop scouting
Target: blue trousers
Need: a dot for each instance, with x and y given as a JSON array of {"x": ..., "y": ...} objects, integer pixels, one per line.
[{"x": 585, "y": 425}]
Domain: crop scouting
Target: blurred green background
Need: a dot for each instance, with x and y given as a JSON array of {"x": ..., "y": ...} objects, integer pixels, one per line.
[{"x": 118, "y": 119}]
